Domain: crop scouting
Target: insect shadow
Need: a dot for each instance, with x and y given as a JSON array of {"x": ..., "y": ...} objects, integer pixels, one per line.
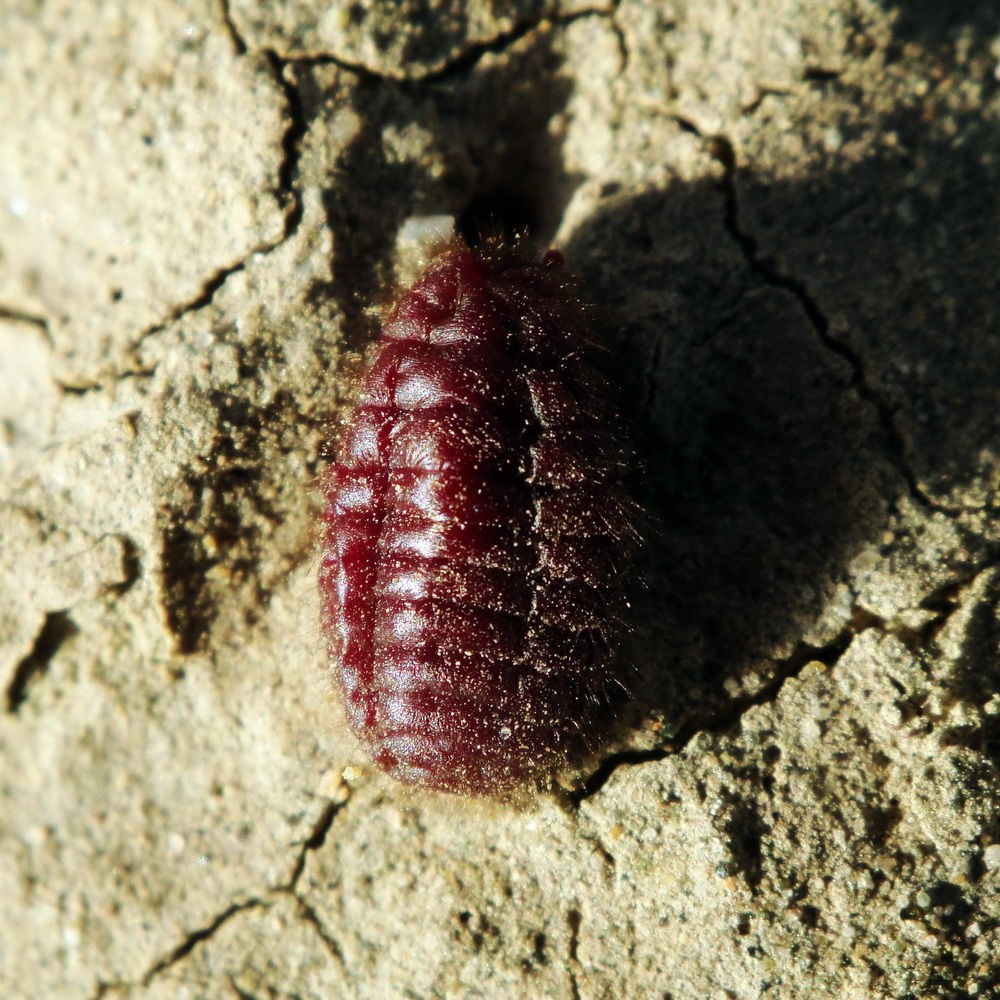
[{"x": 772, "y": 450}]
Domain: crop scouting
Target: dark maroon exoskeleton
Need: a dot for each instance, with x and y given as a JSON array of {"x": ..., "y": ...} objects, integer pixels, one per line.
[{"x": 476, "y": 531}]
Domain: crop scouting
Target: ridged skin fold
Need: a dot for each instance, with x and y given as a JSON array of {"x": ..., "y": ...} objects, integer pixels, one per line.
[{"x": 476, "y": 532}]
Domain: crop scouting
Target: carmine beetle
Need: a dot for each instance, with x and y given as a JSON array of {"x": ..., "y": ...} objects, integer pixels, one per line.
[{"x": 476, "y": 532}]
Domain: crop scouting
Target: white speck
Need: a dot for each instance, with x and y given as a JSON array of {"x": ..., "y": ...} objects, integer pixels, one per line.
[
  {"x": 18, "y": 206},
  {"x": 176, "y": 843},
  {"x": 421, "y": 230},
  {"x": 991, "y": 857},
  {"x": 505, "y": 732},
  {"x": 891, "y": 714},
  {"x": 810, "y": 731},
  {"x": 37, "y": 835},
  {"x": 821, "y": 712},
  {"x": 203, "y": 859},
  {"x": 832, "y": 140}
]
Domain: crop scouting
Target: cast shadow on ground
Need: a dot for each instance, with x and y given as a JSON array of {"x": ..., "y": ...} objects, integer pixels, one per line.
[
  {"x": 501, "y": 163},
  {"x": 934, "y": 22},
  {"x": 758, "y": 465},
  {"x": 767, "y": 466}
]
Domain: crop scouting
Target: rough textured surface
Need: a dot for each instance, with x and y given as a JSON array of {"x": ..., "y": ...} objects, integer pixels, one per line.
[
  {"x": 398, "y": 39},
  {"x": 788, "y": 213}
]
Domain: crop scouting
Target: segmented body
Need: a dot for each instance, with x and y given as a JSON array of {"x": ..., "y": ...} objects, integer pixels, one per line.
[{"x": 475, "y": 529}]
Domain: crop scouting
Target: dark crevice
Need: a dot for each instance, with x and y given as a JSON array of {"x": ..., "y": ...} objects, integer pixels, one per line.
[
  {"x": 945, "y": 600},
  {"x": 762, "y": 93},
  {"x": 21, "y": 317},
  {"x": 686, "y": 125},
  {"x": 286, "y": 188},
  {"x": 208, "y": 290},
  {"x": 718, "y": 722},
  {"x": 290, "y": 143},
  {"x": 131, "y": 567},
  {"x": 200, "y": 301},
  {"x": 17, "y": 316},
  {"x": 820, "y": 74},
  {"x": 467, "y": 61},
  {"x": 573, "y": 921},
  {"x": 622, "y": 40},
  {"x": 603, "y": 853},
  {"x": 239, "y": 45},
  {"x": 893, "y": 438},
  {"x": 457, "y": 66},
  {"x": 623, "y": 758},
  {"x": 238, "y": 992},
  {"x": 314, "y": 841},
  {"x": 460, "y": 64},
  {"x": 196, "y": 937},
  {"x": 722, "y": 150},
  {"x": 56, "y": 629},
  {"x": 310, "y": 916},
  {"x": 318, "y": 59},
  {"x": 81, "y": 389}
]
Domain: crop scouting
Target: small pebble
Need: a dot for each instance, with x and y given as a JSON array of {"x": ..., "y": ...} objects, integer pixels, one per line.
[{"x": 991, "y": 857}]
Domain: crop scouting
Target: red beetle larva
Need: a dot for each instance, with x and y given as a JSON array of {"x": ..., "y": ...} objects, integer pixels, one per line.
[{"x": 476, "y": 529}]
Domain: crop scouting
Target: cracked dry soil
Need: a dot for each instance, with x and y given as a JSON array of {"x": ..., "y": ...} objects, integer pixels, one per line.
[{"x": 788, "y": 214}]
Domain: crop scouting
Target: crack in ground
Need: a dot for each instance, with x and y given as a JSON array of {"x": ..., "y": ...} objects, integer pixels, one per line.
[
  {"x": 290, "y": 145},
  {"x": 456, "y": 66},
  {"x": 196, "y": 937},
  {"x": 29, "y": 319},
  {"x": 235, "y": 35},
  {"x": 299, "y": 123},
  {"x": 198, "y": 302},
  {"x": 467, "y": 60},
  {"x": 720, "y": 721},
  {"x": 55, "y": 630},
  {"x": 622, "y": 41},
  {"x": 286, "y": 188},
  {"x": 315, "y": 840},
  {"x": 721, "y": 149},
  {"x": 573, "y": 920},
  {"x": 945, "y": 600},
  {"x": 311, "y": 917}
]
